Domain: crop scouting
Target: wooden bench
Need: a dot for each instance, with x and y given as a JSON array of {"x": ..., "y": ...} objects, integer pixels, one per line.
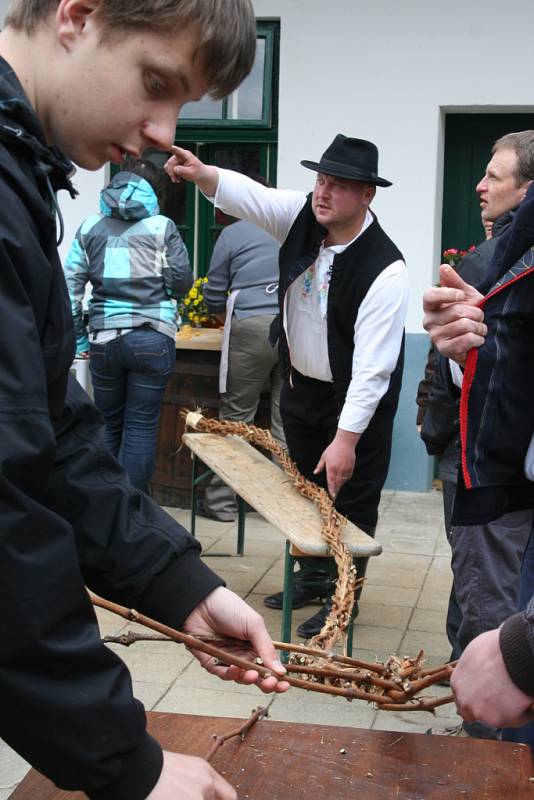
[{"x": 256, "y": 480}]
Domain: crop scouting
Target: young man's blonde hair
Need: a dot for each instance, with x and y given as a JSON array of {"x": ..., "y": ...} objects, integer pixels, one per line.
[{"x": 227, "y": 29}]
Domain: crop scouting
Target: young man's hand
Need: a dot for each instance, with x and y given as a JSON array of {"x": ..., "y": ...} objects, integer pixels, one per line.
[
  {"x": 452, "y": 318},
  {"x": 223, "y": 613},
  {"x": 483, "y": 689},
  {"x": 184, "y": 165},
  {"x": 190, "y": 778},
  {"x": 339, "y": 460}
]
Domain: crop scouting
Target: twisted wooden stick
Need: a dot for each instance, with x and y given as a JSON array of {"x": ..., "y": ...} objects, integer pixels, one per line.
[{"x": 339, "y": 618}]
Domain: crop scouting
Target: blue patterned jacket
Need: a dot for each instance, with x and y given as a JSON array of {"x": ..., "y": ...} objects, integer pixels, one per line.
[{"x": 135, "y": 259}]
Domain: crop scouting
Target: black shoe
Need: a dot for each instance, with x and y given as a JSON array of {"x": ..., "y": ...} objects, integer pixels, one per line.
[
  {"x": 303, "y": 595},
  {"x": 314, "y": 624}
]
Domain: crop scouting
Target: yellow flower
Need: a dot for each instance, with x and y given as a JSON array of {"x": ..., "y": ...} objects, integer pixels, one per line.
[
  {"x": 193, "y": 292},
  {"x": 196, "y": 318},
  {"x": 187, "y": 301},
  {"x": 204, "y": 280},
  {"x": 197, "y": 282},
  {"x": 197, "y": 301}
]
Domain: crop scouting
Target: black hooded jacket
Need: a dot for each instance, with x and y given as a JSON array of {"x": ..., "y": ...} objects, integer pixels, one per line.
[{"x": 69, "y": 516}]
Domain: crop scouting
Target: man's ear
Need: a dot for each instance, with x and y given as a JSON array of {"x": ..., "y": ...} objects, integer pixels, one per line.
[
  {"x": 370, "y": 193},
  {"x": 71, "y": 19},
  {"x": 526, "y": 187}
]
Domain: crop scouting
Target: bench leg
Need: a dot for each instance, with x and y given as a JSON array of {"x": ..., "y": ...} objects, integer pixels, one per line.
[
  {"x": 193, "y": 493},
  {"x": 287, "y": 599},
  {"x": 195, "y": 480},
  {"x": 241, "y": 518},
  {"x": 350, "y": 634}
]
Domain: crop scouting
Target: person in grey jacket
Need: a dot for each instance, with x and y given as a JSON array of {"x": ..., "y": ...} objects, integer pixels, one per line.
[
  {"x": 242, "y": 290},
  {"x": 137, "y": 263}
]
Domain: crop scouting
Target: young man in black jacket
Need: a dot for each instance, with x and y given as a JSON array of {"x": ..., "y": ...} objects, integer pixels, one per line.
[{"x": 91, "y": 81}]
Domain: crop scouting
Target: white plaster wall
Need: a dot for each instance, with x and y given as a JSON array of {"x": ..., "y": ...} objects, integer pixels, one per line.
[
  {"x": 383, "y": 70},
  {"x": 75, "y": 211}
]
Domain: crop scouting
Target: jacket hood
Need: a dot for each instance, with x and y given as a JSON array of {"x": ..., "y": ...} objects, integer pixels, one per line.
[{"x": 129, "y": 196}]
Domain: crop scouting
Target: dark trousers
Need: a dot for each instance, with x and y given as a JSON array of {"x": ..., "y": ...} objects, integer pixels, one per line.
[
  {"x": 129, "y": 376},
  {"x": 310, "y": 419},
  {"x": 454, "y": 615}
]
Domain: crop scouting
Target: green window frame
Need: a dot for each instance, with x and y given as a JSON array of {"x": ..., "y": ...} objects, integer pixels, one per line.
[{"x": 269, "y": 33}]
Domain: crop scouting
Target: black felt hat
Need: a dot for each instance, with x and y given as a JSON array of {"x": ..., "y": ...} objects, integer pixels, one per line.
[{"x": 353, "y": 159}]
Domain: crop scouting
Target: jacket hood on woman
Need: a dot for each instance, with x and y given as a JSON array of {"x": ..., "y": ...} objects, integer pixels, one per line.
[{"x": 128, "y": 197}]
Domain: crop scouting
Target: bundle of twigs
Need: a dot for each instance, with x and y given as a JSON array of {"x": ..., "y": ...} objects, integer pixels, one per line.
[
  {"x": 343, "y": 600},
  {"x": 393, "y": 686}
]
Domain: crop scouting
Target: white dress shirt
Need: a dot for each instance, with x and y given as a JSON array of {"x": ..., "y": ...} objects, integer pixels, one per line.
[{"x": 380, "y": 321}]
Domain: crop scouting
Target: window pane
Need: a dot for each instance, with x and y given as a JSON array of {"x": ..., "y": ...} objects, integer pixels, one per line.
[
  {"x": 172, "y": 197},
  {"x": 206, "y": 108},
  {"x": 247, "y": 101}
]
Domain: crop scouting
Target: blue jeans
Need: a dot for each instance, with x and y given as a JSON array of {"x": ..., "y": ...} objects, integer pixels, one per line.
[{"x": 129, "y": 376}]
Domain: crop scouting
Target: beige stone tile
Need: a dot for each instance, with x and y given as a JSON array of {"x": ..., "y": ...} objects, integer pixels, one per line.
[
  {"x": 153, "y": 667},
  {"x": 395, "y": 541},
  {"x": 433, "y": 599},
  {"x": 109, "y": 624},
  {"x": 278, "y": 565},
  {"x": 234, "y": 563},
  {"x": 12, "y": 769},
  {"x": 380, "y": 617},
  {"x": 149, "y": 693},
  {"x": 434, "y": 644},
  {"x": 398, "y": 570},
  {"x": 426, "y": 620},
  {"x": 269, "y": 584},
  {"x": 371, "y": 638},
  {"x": 386, "y": 595},
  {"x": 190, "y": 700},
  {"x": 239, "y": 582},
  {"x": 443, "y": 548},
  {"x": 294, "y": 707}
]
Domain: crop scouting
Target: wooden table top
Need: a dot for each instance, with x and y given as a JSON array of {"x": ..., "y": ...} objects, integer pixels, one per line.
[
  {"x": 292, "y": 761},
  {"x": 189, "y": 338}
]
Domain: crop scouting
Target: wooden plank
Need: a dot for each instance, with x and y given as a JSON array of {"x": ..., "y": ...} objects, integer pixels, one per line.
[
  {"x": 266, "y": 488},
  {"x": 292, "y": 761}
]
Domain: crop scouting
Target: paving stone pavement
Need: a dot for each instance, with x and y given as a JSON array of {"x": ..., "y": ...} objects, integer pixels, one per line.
[{"x": 402, "y": 611}]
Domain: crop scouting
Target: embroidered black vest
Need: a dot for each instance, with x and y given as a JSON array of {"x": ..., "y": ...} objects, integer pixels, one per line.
[{"x": 353, "y": 272}]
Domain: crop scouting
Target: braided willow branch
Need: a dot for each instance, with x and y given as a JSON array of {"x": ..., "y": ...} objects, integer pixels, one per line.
[{"x": 339, "y": 619}]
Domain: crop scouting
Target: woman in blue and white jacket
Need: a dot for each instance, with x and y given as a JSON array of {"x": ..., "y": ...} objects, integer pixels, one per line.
[{"x": 137, "y": 263}]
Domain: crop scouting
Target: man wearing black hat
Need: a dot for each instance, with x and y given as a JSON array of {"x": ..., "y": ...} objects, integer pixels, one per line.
[{"x": 343, "y": 297}]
